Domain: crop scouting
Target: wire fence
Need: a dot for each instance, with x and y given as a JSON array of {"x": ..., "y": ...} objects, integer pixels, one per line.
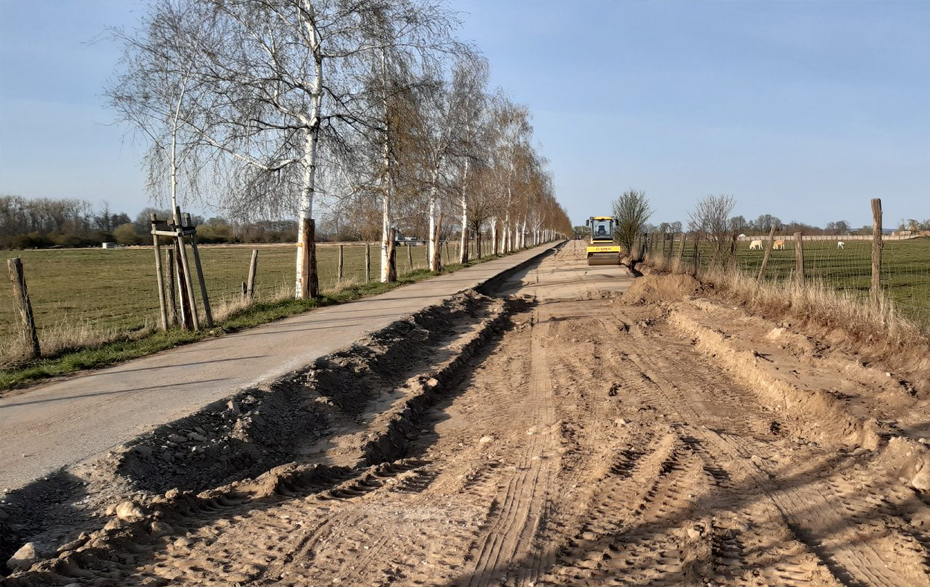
[
  {"x": 841, "y": 263},
  {"x": 80, "y": 297}
]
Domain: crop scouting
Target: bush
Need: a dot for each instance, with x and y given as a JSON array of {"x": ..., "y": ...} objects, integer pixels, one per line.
[
  {"x": 33, "y": 240},
  {"x": 126, "y": 234}
]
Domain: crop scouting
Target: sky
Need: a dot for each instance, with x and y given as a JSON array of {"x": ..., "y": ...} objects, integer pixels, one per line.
[{"x": 802, "y": 109}]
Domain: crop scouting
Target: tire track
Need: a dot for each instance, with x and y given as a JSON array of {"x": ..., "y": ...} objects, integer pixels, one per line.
[
  {"x": 512, "y": 530},
  {"x": 707, "y": 402},
  {"x": 625, "y": 538}
]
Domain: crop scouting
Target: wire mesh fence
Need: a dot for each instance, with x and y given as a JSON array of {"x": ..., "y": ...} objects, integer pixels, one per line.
[
  {"x": 841, "y": 263},
  {"x": 80, "y": 296}
]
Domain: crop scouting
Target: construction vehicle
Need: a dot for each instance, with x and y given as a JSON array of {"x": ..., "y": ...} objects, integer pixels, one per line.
[{"x": 603, "y": 248}]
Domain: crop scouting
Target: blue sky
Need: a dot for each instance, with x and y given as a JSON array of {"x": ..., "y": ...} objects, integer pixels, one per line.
[{"x": 801, "y": 109}]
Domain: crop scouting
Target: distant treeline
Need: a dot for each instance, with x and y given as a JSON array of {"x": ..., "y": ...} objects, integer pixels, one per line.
[{"x": 46, "y": 223}]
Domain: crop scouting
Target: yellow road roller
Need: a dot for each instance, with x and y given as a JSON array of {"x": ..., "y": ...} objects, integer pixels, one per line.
[{"x": 603, "y": 248}]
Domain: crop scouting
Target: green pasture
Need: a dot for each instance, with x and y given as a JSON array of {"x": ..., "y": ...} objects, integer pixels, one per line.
[
  {"x": 905, "y": 269},
  {"x": 115, "y": 289}
]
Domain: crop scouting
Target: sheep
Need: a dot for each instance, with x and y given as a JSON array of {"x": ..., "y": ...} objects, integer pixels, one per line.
[
  {"x": 779, "y": 245},
  {"x": 840, "y": 244},
  {"x": 755, "y": 246}
]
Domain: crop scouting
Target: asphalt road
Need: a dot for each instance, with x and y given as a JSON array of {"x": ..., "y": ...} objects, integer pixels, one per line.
[{"x": 68, "y": 421}]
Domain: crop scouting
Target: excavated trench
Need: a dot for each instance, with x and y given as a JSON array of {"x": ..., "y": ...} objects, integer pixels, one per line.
[{"x": 334, "y": 426}]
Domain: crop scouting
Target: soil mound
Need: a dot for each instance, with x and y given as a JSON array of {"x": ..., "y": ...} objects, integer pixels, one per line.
[{"x": 650, "y": 289}]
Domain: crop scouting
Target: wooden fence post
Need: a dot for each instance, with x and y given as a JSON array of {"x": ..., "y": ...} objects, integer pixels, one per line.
[
  {"x": 367, "y": 262},
  {"x": 253, "y": 269},
  {"x": 409, "y": 258},
  {"x": 681, "y": 251},
  {"x": 768, "y": 252},
  {"x": 392, "y": 256},
  {"x": 207, "y": 312},
  {"x": 799, "y": 259},
  {"x": 184, "y": 265},
  {"x": 305, "y": 260},
  {"x": 697, "y": 256},
  {"x": 340, "y": 264},
  {"x": 172, "y": 301},
  {"x": 160, "y": 276},
  {"x": 877, "y": 245},
  {"x": 21, "y": 294}
]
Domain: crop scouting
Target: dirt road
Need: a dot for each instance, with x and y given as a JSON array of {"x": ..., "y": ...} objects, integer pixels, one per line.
[{"x": 565, "y": 435}]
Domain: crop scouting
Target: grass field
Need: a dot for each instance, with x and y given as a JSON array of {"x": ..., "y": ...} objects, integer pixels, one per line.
[
  {"x": 82, "y": 295},
  {"x": 905, "y": 269}
]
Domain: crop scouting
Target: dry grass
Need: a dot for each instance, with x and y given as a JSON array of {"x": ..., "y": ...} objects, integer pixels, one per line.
[
  {"x": 232, "y": 304},
  {"x": 815, "y": 303},
  {"x": 879, "y": 335},
  {"x": 836, "y": 290},
  {"x": 65, "y": 335}
]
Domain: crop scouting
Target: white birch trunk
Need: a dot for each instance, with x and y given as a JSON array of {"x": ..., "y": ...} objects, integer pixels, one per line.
[
  {"x": 307, "y": 193},
  {"x": 433, "y": 205},
  {"x": 505, "y": 234},
  {"x": 463, "y": 250},
  {"x": 387, "y": 184},
  {"x": 174, "y": 149},
  {"x": 306, "y": 203},
  {"x": 386, "y": 222},
  {"x": 174, "y": 169},
  {"x": 387, "y": 219},
  {"x": 494, "y": 242}
]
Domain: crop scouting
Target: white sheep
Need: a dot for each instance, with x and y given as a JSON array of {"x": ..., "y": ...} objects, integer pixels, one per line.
[{"x": 840, "y": 244}]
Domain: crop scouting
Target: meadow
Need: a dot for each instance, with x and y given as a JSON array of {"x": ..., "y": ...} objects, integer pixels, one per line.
[
  {"x": 80, "y": 296},
  {"x": 905, "y": 272}
]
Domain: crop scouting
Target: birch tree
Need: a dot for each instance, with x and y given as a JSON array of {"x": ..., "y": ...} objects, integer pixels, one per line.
[
  {"x": 470, "y": 83},
  {"x": 281, "y": 90},
  {"x": 275, "y": 70},
  {"x": 157, "y": 92},
  {"x": 407, "y": 41},
  {"x": 512, "y": 122},
  {"x": 448, "y": 120}
]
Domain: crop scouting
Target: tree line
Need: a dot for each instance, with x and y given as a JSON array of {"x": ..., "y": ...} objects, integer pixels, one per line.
[
  {"x": 759, "y": 226},
  {"x": 371, "y": 111},
  {"x": 47, "y": 222}
]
